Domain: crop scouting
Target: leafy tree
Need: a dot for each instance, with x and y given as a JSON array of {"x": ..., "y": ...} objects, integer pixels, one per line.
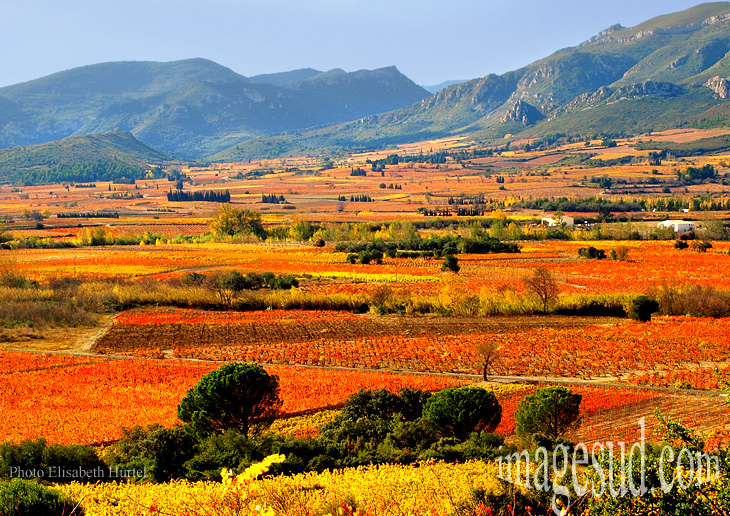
[
  {"x": 642, "y": 307},
  {"x": 380, "y": 403},
  {"x": 550, "y": 412},
  {"x": 543, "y": 285},
  {"x": 230, "y": 221},
  {"x": 236, "y": 396},
  {"x": 228, "y": 286},
  {"x": 369, "y": 415},
  {"x": 461, "y": 411}
]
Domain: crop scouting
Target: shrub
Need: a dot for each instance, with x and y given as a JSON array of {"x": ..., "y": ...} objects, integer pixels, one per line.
[
  {"x": 621, "y": 253},
  {"x": 369, "y": 415},
  {"x": 592, "y": 253},
  {"x": 47, "y": 458},
  {"x": 642, "y": 307},
  {"x": 161, "y": 451},
  {"x": 383, "y": 404},
  {"x": 228, "y": 285},
  {"x": 451, "y": 263},
  {"x": 379, "y": 403},
  {"x": 460, "y": 411},
  {"x": 694, "y": 300},
  {"x": 193, "y": 279},
  {"x": 9, "y": 278},
  {"x": 479, "y": 446},
  {"x": 230, "y": 450},
  {"x": 413, "y": 435},
  {"x": 681, "y": 244},
  {"x": 27, "y": 498},
  {"x": 701, "y": 247},
  {"x": 412, "y": 402},
  {"x": 236, "y": 396}
]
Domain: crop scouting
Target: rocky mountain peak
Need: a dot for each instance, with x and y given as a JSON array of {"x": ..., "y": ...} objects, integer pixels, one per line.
[
  {"x": 523, "y": 113},
  {"x": 720, "y": 86}
]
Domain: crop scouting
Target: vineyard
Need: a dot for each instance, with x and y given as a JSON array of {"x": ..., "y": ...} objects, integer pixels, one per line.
[
  {"x": 115, "y": 301},
  {"x": 535, "y": 346},
  {"x": 82, "y": 399},
  {"x": 78, "y": 400}
]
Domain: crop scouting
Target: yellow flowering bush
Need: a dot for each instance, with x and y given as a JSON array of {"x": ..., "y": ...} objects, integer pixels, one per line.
[
  {"x": 421, "y": 489},
  {"x": 180, "y": 498}
]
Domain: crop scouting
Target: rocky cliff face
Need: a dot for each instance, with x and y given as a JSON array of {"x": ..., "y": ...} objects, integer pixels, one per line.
[
  {"x": 618, "y": 34},
  {"x": 523, "y": 113},
  {"x": 653, "y": 89},
  {"x": 720, "y": 86}
]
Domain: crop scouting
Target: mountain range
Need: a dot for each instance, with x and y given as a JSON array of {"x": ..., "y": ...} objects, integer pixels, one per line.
[
  {"x": 667, "y": 72},
  {"x": 670, "y": 71},
  {"x": 194, "y": 107}
]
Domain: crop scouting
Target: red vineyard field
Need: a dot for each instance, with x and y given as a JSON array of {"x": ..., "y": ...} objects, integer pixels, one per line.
[
  {"x": 70, "y": 400},
  {"x": 74, "y": 401},
  {"x": 567, "y": 347}
]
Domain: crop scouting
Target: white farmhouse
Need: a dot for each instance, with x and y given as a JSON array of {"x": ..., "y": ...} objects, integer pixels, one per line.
[
  {"x": 679, "y": 226},
  {"x": 553, "y": 221}
]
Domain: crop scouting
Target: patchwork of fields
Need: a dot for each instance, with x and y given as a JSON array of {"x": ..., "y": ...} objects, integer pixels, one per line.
[{"x": 153, "y": 306}]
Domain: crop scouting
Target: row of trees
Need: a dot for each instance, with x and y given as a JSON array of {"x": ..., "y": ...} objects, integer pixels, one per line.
[
  {"x": 82, "y": 173},
  {"x": 272, "y": 199},
  {"x": 230, "y": 285},
  {"x": 89, "y": 215},
  {"x": 204, "y": 196}
]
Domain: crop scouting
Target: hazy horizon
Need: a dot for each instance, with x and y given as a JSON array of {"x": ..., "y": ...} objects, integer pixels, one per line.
[{"x": 430, "y": 41}]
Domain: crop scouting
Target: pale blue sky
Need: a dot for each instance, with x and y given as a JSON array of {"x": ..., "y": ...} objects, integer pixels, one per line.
[{"x": 429, "y": 40}]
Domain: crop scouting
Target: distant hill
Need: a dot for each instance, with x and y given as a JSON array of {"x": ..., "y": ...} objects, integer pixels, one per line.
[
  {"x": 97, "y": 157},
  {"x": 193, "y": 107},
  {"x": 438, "y": 87},
  {"x": 667, "y": 72},
  {"x": 282, "y": 78}
]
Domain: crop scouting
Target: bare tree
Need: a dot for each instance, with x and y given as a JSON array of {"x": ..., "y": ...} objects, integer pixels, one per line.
[
  {"x": 381, "y": 295},
  {"x": 543, "y": 285},
  {"x": 489, "y": 353},
  {"x": 622, "y": 253}
]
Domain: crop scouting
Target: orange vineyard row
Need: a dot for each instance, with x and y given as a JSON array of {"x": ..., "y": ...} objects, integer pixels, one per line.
[{"x": 88, "y": 403}]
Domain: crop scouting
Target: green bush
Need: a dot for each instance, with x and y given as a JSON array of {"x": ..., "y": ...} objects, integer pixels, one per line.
[
  {"x": 370, "y": 415},
  {"x": 26, "y": 498},
  {"x": 230, "y": 450},
  {"x": 642, "y": 307},
  {"x": 592, "y": 253},
  {"x": 419, "y": 434},
  {"x": 48, "y": 459},
  {"x": 479, "y": 446},
  {"x": 460, "y": 411},
  {"x": 380, "y": 403},
  {"x": 161, "y": 452},
  {"x": 451, "y": 263}
]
